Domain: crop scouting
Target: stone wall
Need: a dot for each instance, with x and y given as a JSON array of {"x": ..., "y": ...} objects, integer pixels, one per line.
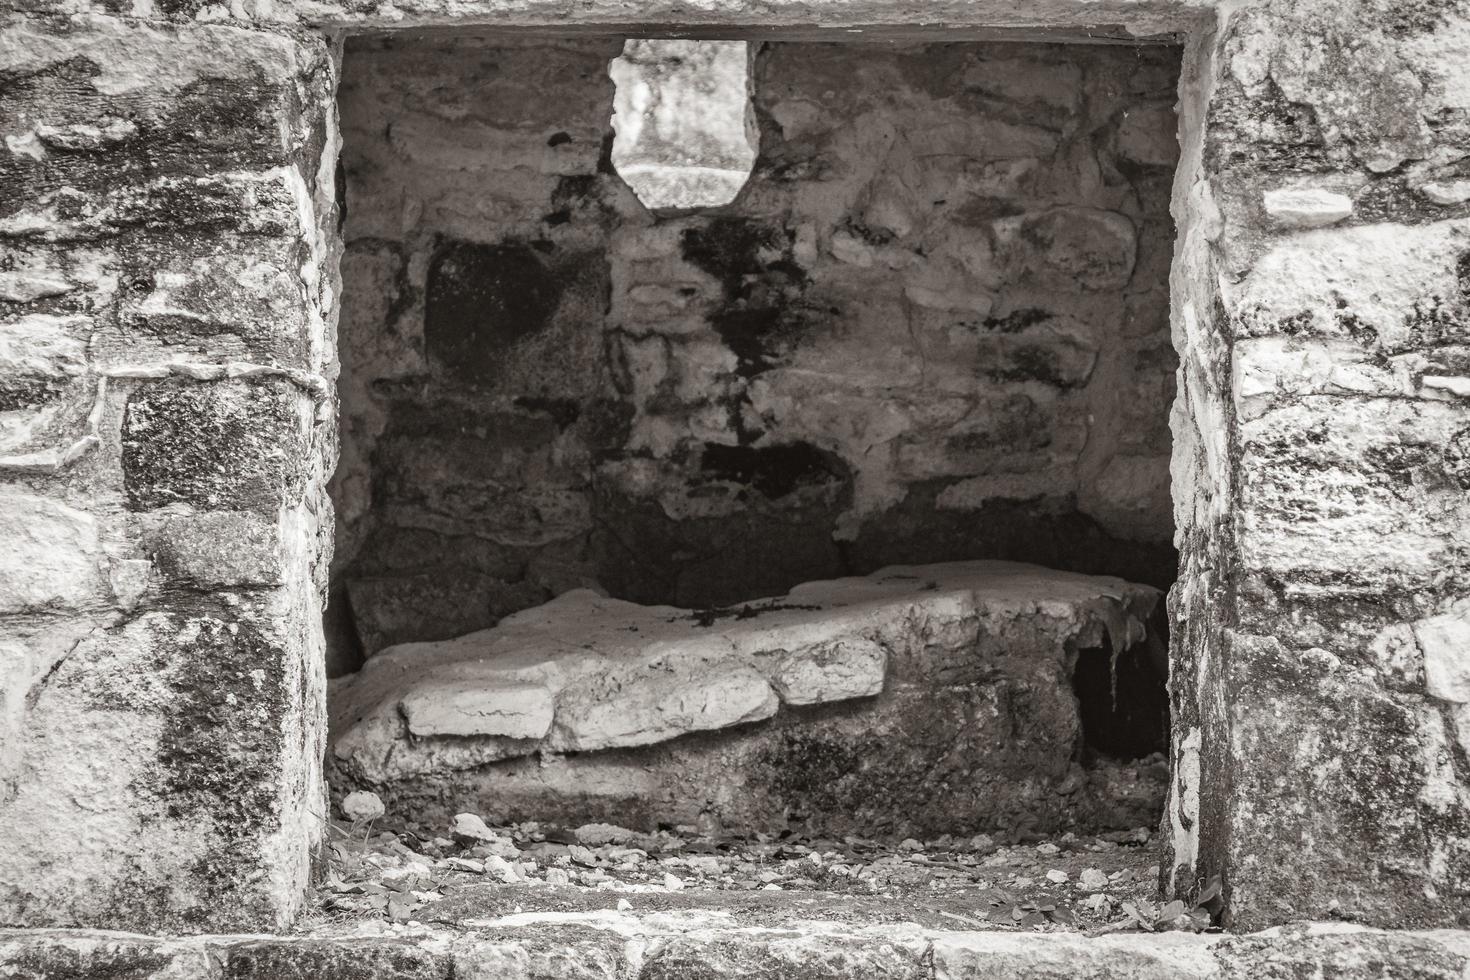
[
  {"x": 166, "y": 289},
  {"x": 1323, "y": 319},
  {"x": 932, "y": 327},
  {"x": 1318, "y": 469},
  {"x": 474, "y": 386}
]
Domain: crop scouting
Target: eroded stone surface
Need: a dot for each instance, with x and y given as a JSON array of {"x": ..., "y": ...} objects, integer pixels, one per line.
[
  {"x": 603, "y": 946},
  {"x": 466, "y": 707},
  {"x": 935, "y": 674},
  {"x": 51, "y": 558},
  {"x": 1317, "y": 468},
  {"x": 1369, "y": 97},
  {"x": 164, "y": 433},
  {"x": 683, "y": 121}
]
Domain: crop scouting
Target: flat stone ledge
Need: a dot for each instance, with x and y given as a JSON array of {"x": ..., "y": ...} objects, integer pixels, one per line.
[
  {"x": 585, "y": 672},
  {"x": 697, "y": 946}
]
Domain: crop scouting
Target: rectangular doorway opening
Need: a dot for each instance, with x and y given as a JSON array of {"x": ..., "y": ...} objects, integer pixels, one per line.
[{"x": 790, "y": 456}]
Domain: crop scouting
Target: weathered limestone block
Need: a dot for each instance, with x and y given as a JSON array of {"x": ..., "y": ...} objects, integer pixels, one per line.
[
  {"x": 981, "y": 956},
  {"x": 230, "y": 446},
  {"x": 624, "y": 708},
  {"x": 177, "y": 769},
  {"x": 164, "y": 344},
  {"x": 683, "y": 132},
  {"x": 837, "y": 671},
  {"x": 1317, "y": 763},
  {"x": 1307, "y": 207},
  {"x": 929, "y": 696},
  {"x": 466, "y": 708}
]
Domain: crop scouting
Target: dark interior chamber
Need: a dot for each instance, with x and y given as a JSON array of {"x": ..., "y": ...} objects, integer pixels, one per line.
[{"x": 932, "y": 325}]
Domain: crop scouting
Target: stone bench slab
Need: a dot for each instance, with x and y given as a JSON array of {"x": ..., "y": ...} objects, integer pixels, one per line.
[{"x": 585, "y": 672}]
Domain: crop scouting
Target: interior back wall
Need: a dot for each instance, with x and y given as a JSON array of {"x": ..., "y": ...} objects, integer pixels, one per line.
[{"x": 933, "y": 326}]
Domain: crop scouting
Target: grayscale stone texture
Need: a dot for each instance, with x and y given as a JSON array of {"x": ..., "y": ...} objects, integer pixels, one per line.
[
  {"x": 932, "y": 327},
  {"x": 169, "y": 405},
  {"x": 919, "y": 701}
]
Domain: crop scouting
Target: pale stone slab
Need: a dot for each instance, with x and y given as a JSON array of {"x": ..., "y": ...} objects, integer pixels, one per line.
[
  {"x": 586, "y": 672},
  {"x": 1447, "y": 193},
  {"x": 694, "y": 945},
  {"x": 511, "y": 711},
  {"x": 662, "y": 705},
  {"x": 1445, "y": 642}
]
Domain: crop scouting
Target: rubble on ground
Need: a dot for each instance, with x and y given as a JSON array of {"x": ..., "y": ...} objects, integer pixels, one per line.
[{"x": 412, "y": 873}]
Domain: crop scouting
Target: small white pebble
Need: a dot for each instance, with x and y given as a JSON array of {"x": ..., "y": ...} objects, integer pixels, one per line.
[
  {"x": 1048, "y": 849},
  {"x": 624, "y": 905},
  {"x": 471, "y": 826},
  {"x": 1092, "y": 880},
  {"x": 673, "y": 882},
  {"x": 411, "y": 869},
  {"x": 1057, "y": 876},
  {"x": 362, "y": 806},
  {"x": 910, "y": 845},
  {"x": 502, "y": 870}
]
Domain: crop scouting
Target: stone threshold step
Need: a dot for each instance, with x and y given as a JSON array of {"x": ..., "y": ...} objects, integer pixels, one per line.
[{"x": 617, "y": 946}]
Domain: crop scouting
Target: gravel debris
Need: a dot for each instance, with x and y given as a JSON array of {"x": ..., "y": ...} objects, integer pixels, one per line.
[{"x": 402, "y": 873}]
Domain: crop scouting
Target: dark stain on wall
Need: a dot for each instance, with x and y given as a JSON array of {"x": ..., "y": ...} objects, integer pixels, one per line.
[
  {"x": 765, "y": 548},
  {"x": 761, "y": 283},
  {"x": 774, "y": 471},
  {"x": 482, "y": 300}
]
